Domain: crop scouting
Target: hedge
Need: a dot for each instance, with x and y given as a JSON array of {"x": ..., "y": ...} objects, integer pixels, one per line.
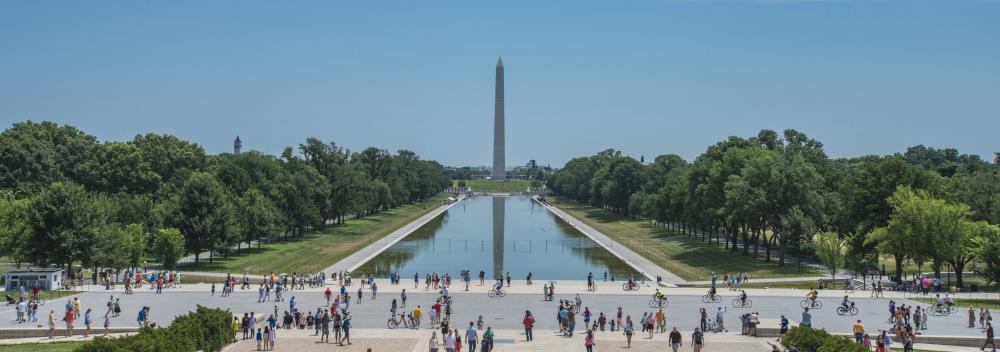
[
  {"x": 205, "y": 329},
  {"x": 807, "y": 339}
]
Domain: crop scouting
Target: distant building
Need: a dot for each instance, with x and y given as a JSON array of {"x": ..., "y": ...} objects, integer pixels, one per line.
[
  {"x": 531, "y": 164},
  {"x": 49, "y": 279},
  {"x": 237, "y": 145}
]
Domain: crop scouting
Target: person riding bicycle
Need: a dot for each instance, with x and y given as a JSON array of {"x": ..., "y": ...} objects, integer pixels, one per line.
[
  {"x": 948, "y": 301},
  {"x": 659, "y": 296},
  {"x": 499, "y": 285},
  {"x": 743, "y": 297},
  {"x": 631, "y": 280},
  {"x": 711, "y": 292},
  {"x": 940, "y": 302},
  {"x": 812, "y": 294},
  {"x": 846, "y": 303}
]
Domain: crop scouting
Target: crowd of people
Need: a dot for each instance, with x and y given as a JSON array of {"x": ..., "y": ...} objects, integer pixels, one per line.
[{"x": 573, "y": 317}]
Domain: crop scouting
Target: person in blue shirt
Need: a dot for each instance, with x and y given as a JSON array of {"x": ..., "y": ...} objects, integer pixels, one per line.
[
  {"x": 784, "y": 327},
  {"x": 806, "y": 318},
  {"x": 141, "y": 319},
  {"x": 471, "y": 336},
  {"x": 260, "y": 337}
]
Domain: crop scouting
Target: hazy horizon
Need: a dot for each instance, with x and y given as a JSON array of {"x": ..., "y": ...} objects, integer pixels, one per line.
[{"x": 646, "y": 78}]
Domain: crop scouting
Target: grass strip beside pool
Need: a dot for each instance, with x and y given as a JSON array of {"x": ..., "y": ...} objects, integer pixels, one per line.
[
  {"x": 318, "y": 250},
  {"x": 687, "y": 257}
]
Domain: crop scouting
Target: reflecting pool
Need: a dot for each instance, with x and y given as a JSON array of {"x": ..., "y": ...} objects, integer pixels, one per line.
[{"x": 497, "y": 234}]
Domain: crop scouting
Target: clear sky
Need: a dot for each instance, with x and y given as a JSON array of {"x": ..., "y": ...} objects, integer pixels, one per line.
[{"x": 646, "y": 77}]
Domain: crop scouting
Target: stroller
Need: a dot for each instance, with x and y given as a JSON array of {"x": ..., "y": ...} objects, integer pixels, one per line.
[{"x": 10, "y": 300}]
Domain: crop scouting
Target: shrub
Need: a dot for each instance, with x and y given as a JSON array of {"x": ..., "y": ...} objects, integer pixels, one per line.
[
  {"x": 807, "y": 339},
  {"x": 804, "y": 338},
  {"x": 205, "y": 329},
  {"x": 841, "y": 344}
]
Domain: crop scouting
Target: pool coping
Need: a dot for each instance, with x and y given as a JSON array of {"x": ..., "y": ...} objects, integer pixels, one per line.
[
  {"x": 633, "y": 259},
  {"x": 362, "y": 256}
]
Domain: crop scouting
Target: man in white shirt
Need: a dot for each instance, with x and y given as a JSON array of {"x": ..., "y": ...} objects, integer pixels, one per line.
[{"x": 449, "y": 342}]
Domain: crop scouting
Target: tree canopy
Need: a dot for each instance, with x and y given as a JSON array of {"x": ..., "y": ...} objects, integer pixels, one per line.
[{"x": 67, "y": 198}]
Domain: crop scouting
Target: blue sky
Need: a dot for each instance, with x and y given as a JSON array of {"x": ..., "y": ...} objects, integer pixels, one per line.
[{"x": 646, "y": 77}]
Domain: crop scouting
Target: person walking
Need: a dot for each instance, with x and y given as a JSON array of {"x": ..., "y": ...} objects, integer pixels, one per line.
[
  {"x": 529, "y": 324},
  {"x": 346, "y": 326},
  {"x": 859, "y": 332},
  {"x": 972, "y": 317},
  {"x": 52, "y": 323},
  {"x": 325, "y": 322},
  {"x": 471, "y": 336},
  {"x": 589, "y": 340},
  {"x": 629, "y": 330},
  {"x": 719, "y": 315},
  {"x": 69, "y": 318},
  {"x": 697, "y": 340},
  {"x": 675, "y": 339},
  {"x": 989, "y": 338},
  {"x": 433, "y": 343},
  {"x": 449, "y": 342}
]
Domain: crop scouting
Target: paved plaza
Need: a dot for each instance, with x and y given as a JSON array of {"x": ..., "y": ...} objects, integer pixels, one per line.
[{"x": 505, "y": 314}]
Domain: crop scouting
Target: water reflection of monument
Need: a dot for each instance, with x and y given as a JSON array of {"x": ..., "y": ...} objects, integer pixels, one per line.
[{"x": 499, "y": 212}]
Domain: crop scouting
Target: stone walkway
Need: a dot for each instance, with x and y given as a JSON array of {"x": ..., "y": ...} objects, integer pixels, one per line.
[
  {"x": 508, "y": 340},
  {"x": 640, "y": 263}
]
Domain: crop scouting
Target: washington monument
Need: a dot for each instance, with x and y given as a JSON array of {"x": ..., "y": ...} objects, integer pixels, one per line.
[{"x": 499, "y": 170}]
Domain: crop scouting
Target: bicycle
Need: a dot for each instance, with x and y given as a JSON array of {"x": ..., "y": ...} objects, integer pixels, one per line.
[
  {"x": 497, "y": 293},
  {"x": 852, "y": 310},
  {"x": 738, "y": 303},
  {"x": 658, "y": 302},
  {"x": 713, "y": 326},
  {"x": 811, "y": 304},
  {"x": 711, "y": 299},
  {"x": 941, "y": 310},
  {"x": 392, "y": 323},
  {"x": 39, "y": 298},
  {"x": 630, "y": 286}
]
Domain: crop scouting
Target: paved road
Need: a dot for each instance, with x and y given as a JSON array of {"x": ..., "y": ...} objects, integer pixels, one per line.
[{"x": 501, "y": 313}]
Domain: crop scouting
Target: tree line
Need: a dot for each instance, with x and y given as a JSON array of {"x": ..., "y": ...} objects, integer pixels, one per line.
[
  {"x": 772, "y": 194},
  {"x": 67, "y": 198}
]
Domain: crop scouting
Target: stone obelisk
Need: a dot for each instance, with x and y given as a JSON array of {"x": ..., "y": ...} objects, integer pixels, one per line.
[{"x": 499, "y": 170}]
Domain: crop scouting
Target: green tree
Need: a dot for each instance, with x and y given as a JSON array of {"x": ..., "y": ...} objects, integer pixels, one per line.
[
  {"x": 135, "y": 239},
  {"x": 168, "y": 246},
  {"x": 987, "y": 250},
  {"x": 169, "y": 157},
  {"x": 119, "y": 167},
  {"x": 830, "y": 250},
  {"x": 34, "y": 155},
  {"x": 257, "y": 217},
  {"x": 64, "y": 223},
  {"x": 204, "y": 214},
  {"x": 12, "y": 226}
]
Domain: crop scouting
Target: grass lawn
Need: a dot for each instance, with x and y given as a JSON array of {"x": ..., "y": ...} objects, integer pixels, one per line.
[
  {"x": 689, "y": 258},
  {"x": 497, "y": 186},
  {"x": 964, "y": 303},
  {"x": 317, "y": 251},
  {"x": 42, "y": 347}
]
